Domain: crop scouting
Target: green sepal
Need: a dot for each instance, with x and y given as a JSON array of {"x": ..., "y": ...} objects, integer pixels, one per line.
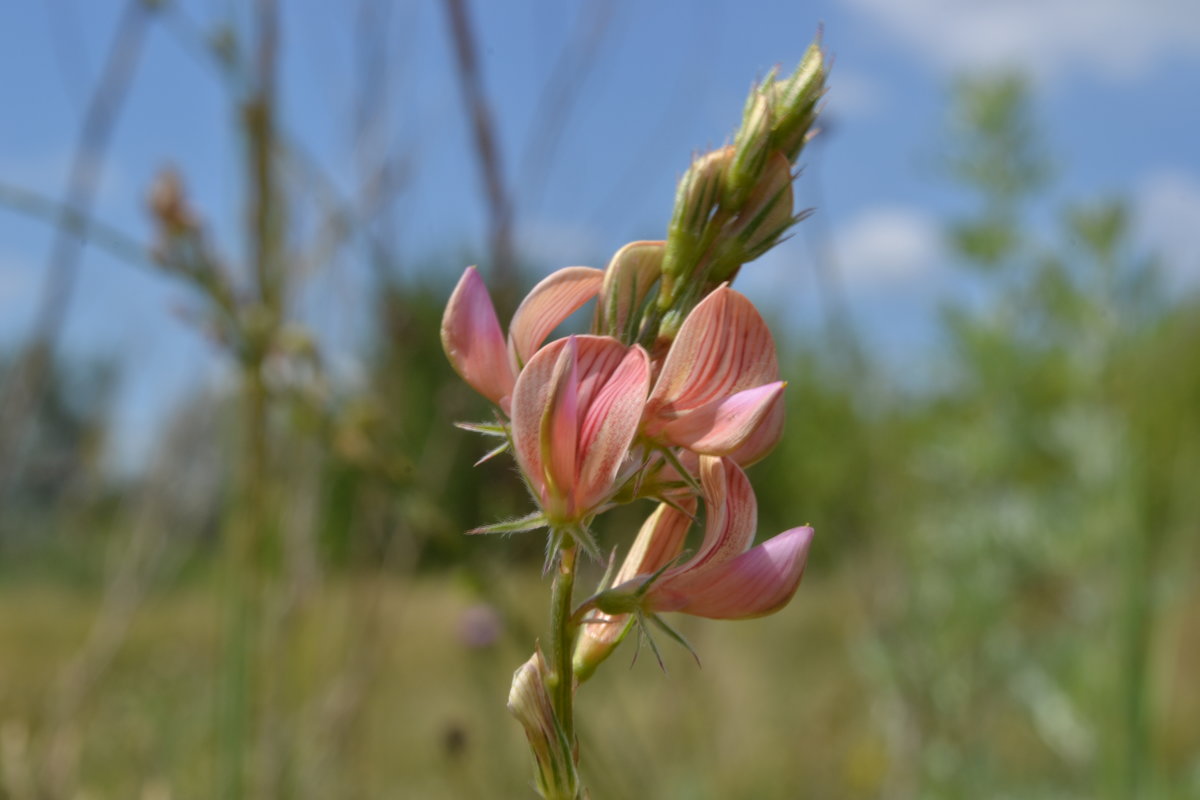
[
  {"x": 495, "y": 451},
  {"x": 485, "y": 428},
  {"x": 529, "y": 522}
]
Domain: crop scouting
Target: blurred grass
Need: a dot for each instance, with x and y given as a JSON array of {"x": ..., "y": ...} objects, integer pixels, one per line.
[
  {"x": 776, "y": 711},
  {"x": 762, "y": 716}
]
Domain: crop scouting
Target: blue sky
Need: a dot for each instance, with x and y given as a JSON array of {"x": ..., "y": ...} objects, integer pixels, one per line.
[{"x": 638, "y": 87}]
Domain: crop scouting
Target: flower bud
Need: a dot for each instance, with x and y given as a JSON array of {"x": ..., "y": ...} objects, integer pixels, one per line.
[
  {"x": 751, "y": 145},
  {"x": 529, "y": 701},
  {"x": 764, "y": 217},
  {"x": 794, "y": 102},
  {"x": 695, "y": 201}
]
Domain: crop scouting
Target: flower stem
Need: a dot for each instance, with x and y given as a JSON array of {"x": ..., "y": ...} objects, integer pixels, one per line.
[{"x": 563, "y": 629}]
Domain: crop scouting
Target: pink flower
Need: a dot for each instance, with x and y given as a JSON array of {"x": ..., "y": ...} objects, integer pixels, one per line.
[
  {"x": 719, "y": 392},
  {"x": 471, "y": 333},
  {"x": 723, "y": 580},
  {"x": 575, "y": 411}
]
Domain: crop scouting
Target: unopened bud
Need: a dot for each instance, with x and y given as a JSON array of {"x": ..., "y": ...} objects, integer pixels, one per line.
[
  {"x": 764, "y": 217},
  {"x": 696, "y": 200},
  {"x": 794, "y": 102},
  {"x": 529, "y": 702},
  {"x": 751, "y": 146}
]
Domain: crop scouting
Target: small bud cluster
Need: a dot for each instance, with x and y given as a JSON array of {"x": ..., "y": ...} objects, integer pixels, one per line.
[
  {"x": 735, "y": 204},
  {"x": 675, "y": 390}
]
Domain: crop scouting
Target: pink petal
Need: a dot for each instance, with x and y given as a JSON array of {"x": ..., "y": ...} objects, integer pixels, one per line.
[
  {"x": 555, "y": 298},
  {"x": 627, "y": 280},
  {"x": 609, "y": 424},
  {"x": 472, "y": 339},
  {"x": 731, "y": 515},
  {"x": 530, "y": 398},
  {"x": 722, "y": 348},
  {"x": 759, "y": 582},
  {"x": 599, "y": 357},
  {"x": 725, "y": 424},
  {"x": 658, "y": 542},
  {"x": 559, "y": 432},
  {"x": 764, "y": 438}
]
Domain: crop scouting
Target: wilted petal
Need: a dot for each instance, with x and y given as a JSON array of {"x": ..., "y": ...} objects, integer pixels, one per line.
[
  {"x": 756, "y": 583},
  {"x": 473, "y": 342},
  {"x": 609, "y": 423},
  {"x": 627, "y": 280},
  {"x": 723, "y": 347},
  {"x": 555, "y": 298},
  {"x": 722, "y": 426}
]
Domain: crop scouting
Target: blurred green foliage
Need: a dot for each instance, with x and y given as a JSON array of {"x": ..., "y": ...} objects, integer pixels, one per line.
[{"x": 1000, "y": 603}]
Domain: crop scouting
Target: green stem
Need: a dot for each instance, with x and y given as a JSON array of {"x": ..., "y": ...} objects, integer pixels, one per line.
[{"x": 562, "y": 632}]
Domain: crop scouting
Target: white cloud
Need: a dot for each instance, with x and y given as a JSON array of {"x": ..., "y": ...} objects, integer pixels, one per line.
[
  {"x": 1119, "y": 39},
  {"x": 887, "y": 245},
  {"x": 1167, "y": 208}
]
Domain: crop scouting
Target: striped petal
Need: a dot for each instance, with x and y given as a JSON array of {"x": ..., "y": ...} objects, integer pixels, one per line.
[
  {"x": 609, "y": 423},
  {"x": 558, "y": 432},
  {"x": 756, "y": 583},
  {"x": 473, "y": 342},
  {"x": 530, "y": 398},
  {"x": 722, "y": 426},
  {"x": 764, "y": 438},
  {"x": 551, "y": 301},
  {"x": 723, "y": 347},
  {"x": 627, "y": 281},
  {"x": 575, "y": 411},
  {"x": 731, "y": 515}
]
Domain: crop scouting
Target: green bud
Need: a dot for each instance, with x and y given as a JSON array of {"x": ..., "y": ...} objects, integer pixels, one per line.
[
  {"x": 764, "y": 217},
  {"x": 696, "y": 200},
  {"x": 751, "y": 146},
  {"x": 794, "y": 102}
]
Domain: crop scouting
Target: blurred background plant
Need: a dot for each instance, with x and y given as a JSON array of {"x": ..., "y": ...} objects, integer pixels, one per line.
[{"x": 275, "y": 598}]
